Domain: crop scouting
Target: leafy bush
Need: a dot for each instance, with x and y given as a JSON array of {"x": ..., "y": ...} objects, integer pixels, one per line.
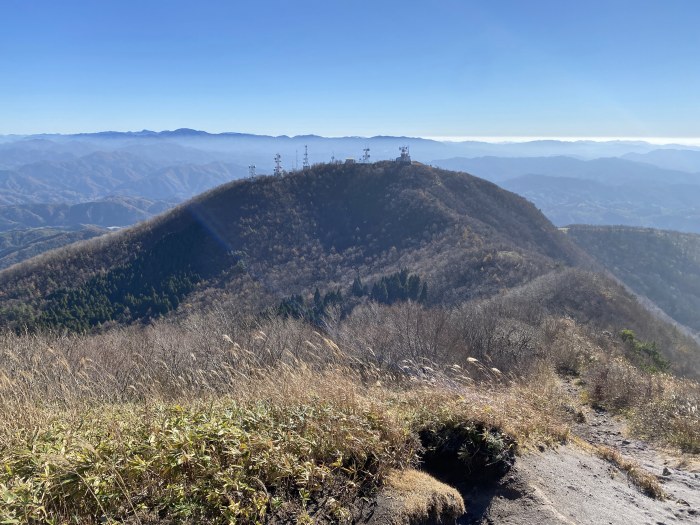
[{"x": 646, "y": 354}]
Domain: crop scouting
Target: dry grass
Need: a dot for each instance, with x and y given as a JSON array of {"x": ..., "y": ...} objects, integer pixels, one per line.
[
  {"x": 217, "y": 417},
  {"x": 642, "y": 479},
  {"x": 659, "y": 406},
  {"x": 414, "y": 496}
]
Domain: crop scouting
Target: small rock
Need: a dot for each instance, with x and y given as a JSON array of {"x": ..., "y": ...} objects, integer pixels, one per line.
[
  {"x": 666, "y": 472},
  {"x": 540, "y": 448},
  {"x": 626, "y": 442}
]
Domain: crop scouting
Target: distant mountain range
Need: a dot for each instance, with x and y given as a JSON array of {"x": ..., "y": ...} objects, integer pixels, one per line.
[
  {"x": 676, "y": 159},
  {"x": 193, "y": 146},
  {"x": 116, "y": 178},
  {"x": 600, "y": 191}
]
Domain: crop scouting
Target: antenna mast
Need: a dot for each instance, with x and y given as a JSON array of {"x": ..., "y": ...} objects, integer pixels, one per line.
[
  {"x": 278, "y": 164},
  {"x": 251, "y": 170},
  {"x": 365, "y": 155},
  {"x": 306, "y": 164}
]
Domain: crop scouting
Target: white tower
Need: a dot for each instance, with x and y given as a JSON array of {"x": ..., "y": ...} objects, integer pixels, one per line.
[
  {"x": 306, "y": 164},
  {"x": 278, "y": 164}
]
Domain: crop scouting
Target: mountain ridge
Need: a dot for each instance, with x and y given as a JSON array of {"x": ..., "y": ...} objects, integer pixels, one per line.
[
  {"x": 661, "y": 265},
  {"x": 370, "y": 219},
  {"x": 253, "y": 244}
]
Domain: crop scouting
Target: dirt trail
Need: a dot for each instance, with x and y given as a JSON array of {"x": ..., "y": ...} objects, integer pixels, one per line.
[{"x": 571, "y": 486}]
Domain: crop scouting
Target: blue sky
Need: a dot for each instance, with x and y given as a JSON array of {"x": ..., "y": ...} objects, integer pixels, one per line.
[{"x": 337, "y": 67}]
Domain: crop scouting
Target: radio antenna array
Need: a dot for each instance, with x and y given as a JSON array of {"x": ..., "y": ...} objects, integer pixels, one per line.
[
  {"x": 405, "y": 157},
  {"x": 278, "y": 164},
  {"x": 306, "y": 164}
]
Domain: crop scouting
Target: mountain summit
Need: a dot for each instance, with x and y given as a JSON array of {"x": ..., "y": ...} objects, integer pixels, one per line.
[
  {"x": 257, "y": 243},
  {"x": 259, "y": 239}
]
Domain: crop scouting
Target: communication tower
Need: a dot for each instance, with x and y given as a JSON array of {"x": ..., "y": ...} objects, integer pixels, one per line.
[
  {"x": 365, "y": 156},
  {"x": 278, "y": 164},
  {"x": 251, "y": 170},
  {"x": 306, "y": 164},
  {"x": 405, "y": 157}
]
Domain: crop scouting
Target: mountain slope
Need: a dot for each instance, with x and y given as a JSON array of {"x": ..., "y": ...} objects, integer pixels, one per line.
[
  {"x": 259, "y": 240},
  {"x": 19, "y": 245},
  {"x": 663, "y": 266}
]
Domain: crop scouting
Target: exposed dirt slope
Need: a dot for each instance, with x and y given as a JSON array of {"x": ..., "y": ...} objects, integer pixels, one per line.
[{"x": 571, "y": 485}]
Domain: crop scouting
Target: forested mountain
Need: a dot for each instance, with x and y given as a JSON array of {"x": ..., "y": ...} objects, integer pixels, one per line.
[
  {"x": 19, "y": 245},
  {"x": 340, "y": 230},
  {"x": 274, "y": 236},
  {"x": 105, "y": 174},
  {"x": 663, "y": 266},
  {"x": 114, "y": 211}
]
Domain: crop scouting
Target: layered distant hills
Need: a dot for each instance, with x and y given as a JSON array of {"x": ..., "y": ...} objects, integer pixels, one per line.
[
  {"x": 106, "y": 174},
  {"x": 631, "y": 183},
  {"x": 115, "y": 179},
  {"x": 600, "y": 191}
]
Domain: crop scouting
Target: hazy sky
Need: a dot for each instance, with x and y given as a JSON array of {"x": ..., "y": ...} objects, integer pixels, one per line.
[{"x": 341, "y": 67}]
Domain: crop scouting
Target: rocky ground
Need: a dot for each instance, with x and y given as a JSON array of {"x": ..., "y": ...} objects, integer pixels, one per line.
[{"x": 571, "y": 485}]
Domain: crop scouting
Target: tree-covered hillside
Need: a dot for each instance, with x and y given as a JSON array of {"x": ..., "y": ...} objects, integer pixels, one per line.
[
  {"x": 661, "y": 265},
  {"x": 253, "y": 242}
]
